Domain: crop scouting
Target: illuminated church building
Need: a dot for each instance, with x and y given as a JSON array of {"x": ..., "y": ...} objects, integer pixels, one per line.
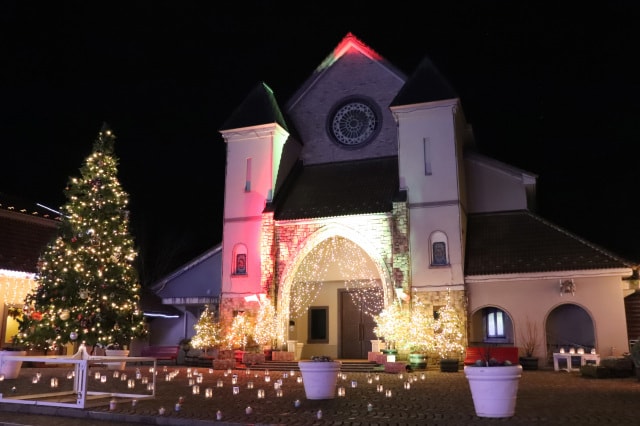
[{"x": 366, "y": 188}]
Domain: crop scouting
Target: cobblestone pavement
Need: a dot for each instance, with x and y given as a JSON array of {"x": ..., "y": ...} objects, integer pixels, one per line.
[{"x": 545, "y": 397}]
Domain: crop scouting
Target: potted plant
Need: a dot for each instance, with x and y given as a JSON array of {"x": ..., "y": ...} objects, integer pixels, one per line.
[
  {"x": 115, "y": 350},
  {"x": 391, "y": 326},
  {"x": 419, "y": 340},
  {"x": 449, "y": 337},
  {"x": 319, "y": 377},
  {"x": 10, "y": 369},
  {"x": 529, "y": 337},
  {"x": 493, "y": 385},
  {"x": 239, "y": 335}
]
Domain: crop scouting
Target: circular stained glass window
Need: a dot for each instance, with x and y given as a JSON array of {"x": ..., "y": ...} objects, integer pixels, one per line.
[{"x": 354, "y": 123}]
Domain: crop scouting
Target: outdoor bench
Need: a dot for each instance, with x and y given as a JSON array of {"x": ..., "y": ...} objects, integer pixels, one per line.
[
  {"x": 166, "y": 353},
  {"x": 499, "y": 353}
]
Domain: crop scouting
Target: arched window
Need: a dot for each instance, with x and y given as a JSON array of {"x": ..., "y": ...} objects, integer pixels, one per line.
[
  {"x": 439, "y": 250},
  {"x": 239, "y": 260}
]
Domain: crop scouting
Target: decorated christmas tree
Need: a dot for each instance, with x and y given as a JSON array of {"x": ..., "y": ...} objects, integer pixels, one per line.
[
  {"x": 87, "y": 286},
  {"x": 208, "y": 332}
]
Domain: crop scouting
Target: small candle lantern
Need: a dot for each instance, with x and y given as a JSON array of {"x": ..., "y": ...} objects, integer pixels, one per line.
[
  {"x": 208, "y": 393},
  {"x": 260, "y": 393}
]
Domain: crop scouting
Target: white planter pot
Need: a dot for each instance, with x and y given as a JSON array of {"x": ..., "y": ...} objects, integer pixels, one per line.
[
  {"x": 377, "y": 345},
  {"x": 494, "y": 389},
  {"x": 116, "y": 352},
  {"x": 319, "y": 378},
  {"x": 8, "y": 368}
]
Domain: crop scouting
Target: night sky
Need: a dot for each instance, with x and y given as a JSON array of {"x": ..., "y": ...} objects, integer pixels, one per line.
[{"x": 552, "y": 90}]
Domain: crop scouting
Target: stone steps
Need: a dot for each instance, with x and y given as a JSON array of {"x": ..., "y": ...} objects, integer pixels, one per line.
[{"x": 347, "y": 366}]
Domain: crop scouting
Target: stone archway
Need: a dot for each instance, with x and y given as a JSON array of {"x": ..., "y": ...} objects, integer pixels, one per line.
[{"x": 307, "y": 272}]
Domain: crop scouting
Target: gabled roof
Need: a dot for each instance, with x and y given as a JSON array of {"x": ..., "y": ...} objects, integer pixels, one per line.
[
  {"x": 338, "y": 189},
  {"x": 152, "y": 306},
  {"x": 476, "y": 157},
  {"x": 196, "y": 282},
  {"x": 349, "y": 44},
  {"x": 25, "y": 229},
  {"x": 522, "y": 242},
  {"x": 259, "y": 107},
  {"x": 426, "y": 84}
]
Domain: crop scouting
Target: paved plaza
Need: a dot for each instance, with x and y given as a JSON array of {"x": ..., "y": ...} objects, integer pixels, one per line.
[{"x": 545, "y": 397}]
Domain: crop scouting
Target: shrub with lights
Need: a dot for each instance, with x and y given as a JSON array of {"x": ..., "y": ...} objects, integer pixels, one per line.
[
  {"x": 408, "y": 328},
  {"x": 208, "y": 332},
  {"x": 449, "y": 336},
  {"x": 87, "y": 286},
  {"x": 265, "y": 332},
  {"x": 240, "y": 333}
]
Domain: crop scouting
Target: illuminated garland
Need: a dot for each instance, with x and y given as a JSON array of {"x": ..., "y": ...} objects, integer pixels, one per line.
[{"x": 336, "y": 257}]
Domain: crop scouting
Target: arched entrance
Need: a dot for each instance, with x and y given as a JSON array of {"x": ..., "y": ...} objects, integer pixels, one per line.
[
  {"x": 569, "y": 326},
  {"x": 330, "y": 292}
]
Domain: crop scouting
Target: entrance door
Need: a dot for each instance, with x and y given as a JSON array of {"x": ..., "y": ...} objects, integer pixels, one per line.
[{"x": 356, "y": 328}]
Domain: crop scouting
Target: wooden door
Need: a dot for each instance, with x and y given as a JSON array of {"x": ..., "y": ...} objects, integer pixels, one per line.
[{"x": 356, "y": 328}]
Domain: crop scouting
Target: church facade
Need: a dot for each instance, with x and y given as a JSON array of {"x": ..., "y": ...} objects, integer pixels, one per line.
[{"x": 366, "y": 188}]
